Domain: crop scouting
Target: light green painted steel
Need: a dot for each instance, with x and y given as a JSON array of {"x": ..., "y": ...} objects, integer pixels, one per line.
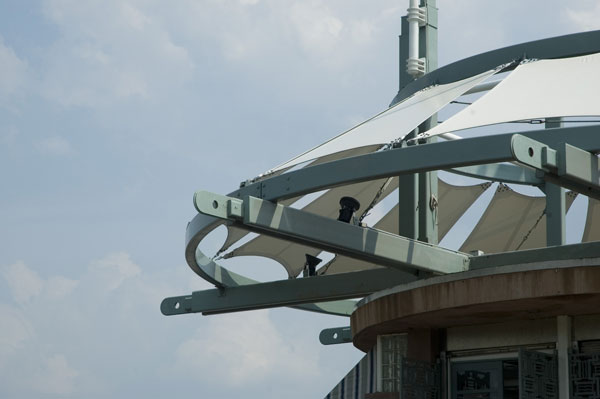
[
  {"x": 222, "y": 278},
  {"x": 556, "y": 207},
  {"x": 408, "y": 196},
  {"x": 290, "y": 292},
  {"x": 403, "y": 77},
  {"x": 408, "y": 205},
  {"x": 567, "y": 165},
  {"x": 389, "y": 163},
  {"x": 428, "y": 195},
  {"x": 558, "y": 255},
  {"x": 428, "y": 190},
  {"x": 556, "y": 232},
  {"x": 421, "y": 158},
  {"x": 578, "y": 164},
  {"x": 417, "y": 218},
  {"x": 362, "y": 243},
  {"x": 336, "y": 335}
]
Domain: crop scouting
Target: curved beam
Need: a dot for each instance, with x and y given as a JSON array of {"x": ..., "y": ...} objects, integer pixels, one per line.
[
  {"x": 555, "y": 47},
  {"x": 412, "y": 159},
  {"x": 212, "y": 272}
]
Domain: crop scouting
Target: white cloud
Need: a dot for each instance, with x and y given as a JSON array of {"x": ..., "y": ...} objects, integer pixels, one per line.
[
  {"x": 319, "y": 30},
  {"x": 247, "y": 348},
  {"x": 13, "y": 72},
  {"x": 584, "y": 19},
  {"x": 57, "y": 377},
  {"x": 24, "y": 283},
  {"x": 111, "y": 51},
  {"x": 16, "y": 330},
  {"x": 54, "y": 146},
  {"x": 114, "y": 269},
  {"x": 59, "y": 286}
]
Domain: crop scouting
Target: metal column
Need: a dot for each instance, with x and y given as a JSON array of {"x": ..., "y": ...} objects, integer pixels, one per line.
[
  {"x": 418, "y": 193},
  {"x": 408, "y": 196},
  {"x": 563, "y": 344},
  {"x": 555, "y": 204}
]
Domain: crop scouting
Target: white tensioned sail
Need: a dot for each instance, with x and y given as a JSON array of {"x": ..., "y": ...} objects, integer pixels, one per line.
[
  {"x": 389, "y": 125},
  {"x": 235, "y": 234},
  {"x": 511, "y": 222},
  {"x": 537, "y": 89},
  {"x": 592, "y": 223},
  {"x": 393, "y": 123},
  {"x": 291, "y": 255},
  {"x": 453, "y": 202}
]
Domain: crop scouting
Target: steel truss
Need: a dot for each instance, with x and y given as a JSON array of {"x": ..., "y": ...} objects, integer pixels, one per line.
[{"x": 559, "y": 157}]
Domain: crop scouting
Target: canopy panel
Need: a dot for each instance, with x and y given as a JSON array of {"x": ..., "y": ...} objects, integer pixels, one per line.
[
  {"x": 393, "y": 123},
  {"x": 453, "y": 203},
  {"x": 536, "y": 89},
  {"x": 511, "y": 222},
  {"x": 291, "y": 255},
  {"x": 235, "y": 234},
  {"x": 592, "y": 223}
]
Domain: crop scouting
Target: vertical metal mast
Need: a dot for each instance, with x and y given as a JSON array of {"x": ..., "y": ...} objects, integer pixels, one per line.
[
  {"x": 556, "y": 233},
  {"x": 418, "y": 193}
]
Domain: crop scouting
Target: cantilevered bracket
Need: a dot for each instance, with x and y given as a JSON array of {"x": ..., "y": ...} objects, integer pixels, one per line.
[
  {"x": 566, "y": 165},
  {"x": 285, "y": 292},
  {"x": 306, "y": 228},
  {"x": 500, "y": 172},
  {"x": 334, "y": 336}
]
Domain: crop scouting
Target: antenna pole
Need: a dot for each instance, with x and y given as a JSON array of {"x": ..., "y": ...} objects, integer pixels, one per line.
[{"x": 418, "y": 195}]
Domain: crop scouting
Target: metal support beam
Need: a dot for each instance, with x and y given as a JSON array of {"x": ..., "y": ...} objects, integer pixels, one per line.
[
  {"x": 408, "y": 196},
  {"x": 564, "y": 165},
  {"x": 556, "y": 208},
  {"x": 556, "y": 232},
  {"x": 415, "y": 159},
  {"x": 285, "y": 292},
  {"x": 588, "y": 250},
  {"x": 330, "y": 235},
  {"x": 334, "y": 336},
  {"x": 417, "y": 218},
  {"x": 428, "y": 190}
]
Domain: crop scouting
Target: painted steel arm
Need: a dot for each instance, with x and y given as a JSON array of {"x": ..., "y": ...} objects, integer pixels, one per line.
[
  {"x": 291, "y": 292},
  {"x": 414, "y": 159},
  {"x": 368, "y": 244}
]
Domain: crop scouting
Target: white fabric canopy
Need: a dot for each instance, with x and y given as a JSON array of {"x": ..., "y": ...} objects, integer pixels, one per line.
[
  {"x": 453, "y": 203},
  {"x": 592, "y": 223},
  {"x": 393, "y": 123},
  {"x": 291, "y": 255},
  {"x": 537, "y": 89},
  {"x": 234, "y": 234},
  {"x": 511, "y": 222}
]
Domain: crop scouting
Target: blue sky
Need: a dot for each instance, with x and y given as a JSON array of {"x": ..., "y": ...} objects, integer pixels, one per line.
[{"x": 112, "y": 113}]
